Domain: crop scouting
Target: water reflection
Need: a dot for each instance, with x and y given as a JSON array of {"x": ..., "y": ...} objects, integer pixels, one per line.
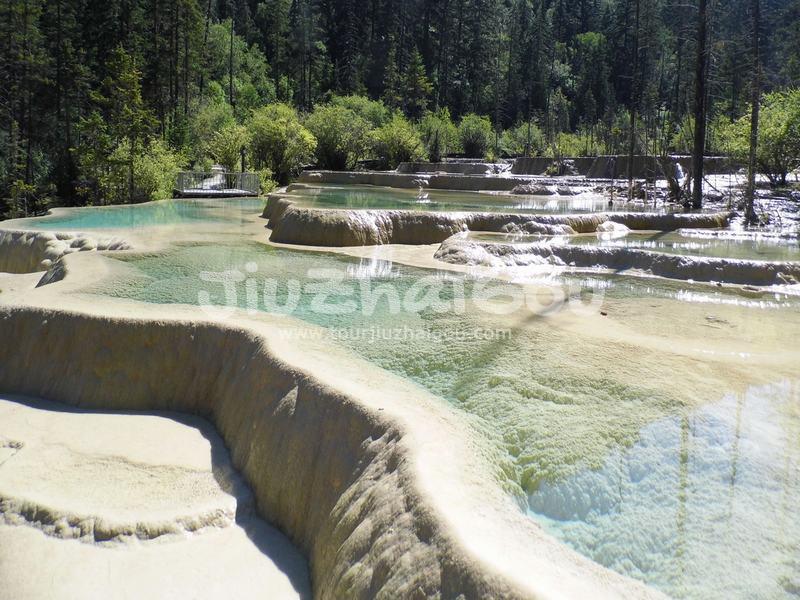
[
  {"x": 702, "y": 505},
  {"x": 354, "y": 197},
  {"x": 690, "y": 502}
]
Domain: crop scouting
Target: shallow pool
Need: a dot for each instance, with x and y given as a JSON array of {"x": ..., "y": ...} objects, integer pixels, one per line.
[
  {"x": 703, "y": 505},
  {"x": 134, "y": 216},
  {"x": 625, "y": 415},
  {"x": 710, "y": 244},
  {"x": 368, "y": 197}
]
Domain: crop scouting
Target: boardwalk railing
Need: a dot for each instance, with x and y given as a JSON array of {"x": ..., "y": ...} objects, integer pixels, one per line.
[{"x": 190, "y": 183}]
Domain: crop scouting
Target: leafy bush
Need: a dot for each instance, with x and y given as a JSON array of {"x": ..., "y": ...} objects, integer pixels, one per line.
[
  {"x": 24, "y": 200},
  {"x": 475, "y": 135},
  {"x": 268, "y": 184},
  {"x": 155, "y": 168},
  {"x": 778, "y": 136},
  {"x": 21, "y": 199},
  {"x": 523, "y": 140},
  {"x": 397, "y": 142},
  {"x": 575, "y": 144},
  {"x": 682, "y": 140},
  {"x": 438, "y": 133},
  {"x": 207, "y": 118},
  {"x": 342, "y": 136},
  {"x": 226, "y": 146},
  {"x": 155, "y": 171},
  {"x": 279, "y": 142},
  {"x": 374, "y": 112}
]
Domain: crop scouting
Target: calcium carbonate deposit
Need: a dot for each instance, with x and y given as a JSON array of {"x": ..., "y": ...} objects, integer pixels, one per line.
[
  {"x": 635, "y": 395},
  {"x": 567, "y": 397}
]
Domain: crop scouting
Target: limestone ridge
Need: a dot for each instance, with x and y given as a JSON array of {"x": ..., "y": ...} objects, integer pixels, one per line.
[
  {"x": 458, "y": 250},
  {"x": 351, "y": 486},
  {"x": 31, "y": 251},
  {"x": 291, "y": 224}
]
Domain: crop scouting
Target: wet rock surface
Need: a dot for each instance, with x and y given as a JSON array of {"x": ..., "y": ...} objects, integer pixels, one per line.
[
  {"x": 459, "y": 250},
  {"x": 291, "y": 224},
  {"x": 31, "y": 251}
]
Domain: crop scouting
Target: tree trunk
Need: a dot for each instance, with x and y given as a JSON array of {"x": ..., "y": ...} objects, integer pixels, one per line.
[
  {"x": 157, "y": 65},
  {"x": 28, "y": 112},
  {"x": 700, "y": 105},
  {"x": 186, "y": 64},
  {"x": 441, "y": 61},
  {"x": 58, "y": 64},
  {"x": 173, "y": 66},
  {"x": 750, "y": 193},
  {"x": 130, "y": 171},
  {"x": 203, "y": 51},
  {"x": 230, "y": 68},
  {"x": 634, "y": 101}
]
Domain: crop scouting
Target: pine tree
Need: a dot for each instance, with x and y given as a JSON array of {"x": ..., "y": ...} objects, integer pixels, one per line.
[
  {"x": 121, "y": 120},
  {"x": 392, "y": 82},
  {"x": 568, "y": 65},
  {"x": 416, "y": 87}
]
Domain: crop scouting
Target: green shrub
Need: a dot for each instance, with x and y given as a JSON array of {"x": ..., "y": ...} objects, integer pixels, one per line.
[
  {"x": 268, "y": 184},
  {"x": 397, "y": 142},
  {"x": 778, "y": 136},
  {"x": 155, "y": 168},
  {"x": 439, "y": 134},
  {"x": 207, "y": 119},
  {"x": 342, "y": 136},
  {"x": 682, "y": 140},
  {"x": 373, "y": 112},
  {"x": 569, "y": 145},
  {"x": 155, "y": 171},
  {"x": 226, "y": 146},
  {"x": 20, "y": 199},
  {"x": 279, "y": 142},
  {"x": 475, "y": 135},
  {"x": 581, "y": 143},
  {"x": 523, "y": 140},
  {"x": 203, "y": 166},
  {"x": 24, "y": 200}
]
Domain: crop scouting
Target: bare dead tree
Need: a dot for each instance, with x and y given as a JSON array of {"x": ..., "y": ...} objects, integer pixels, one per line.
[
  {"x": 750, "y": 192},
  {"x": 698, "y": 153}
]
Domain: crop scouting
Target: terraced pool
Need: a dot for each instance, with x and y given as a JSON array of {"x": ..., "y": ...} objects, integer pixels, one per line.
[
  {"x": 652, "y": 425},
  {"x": 369, "y": 197},
  {"x": 681, "y": 481},
  {"x": 688, "y": 243},
  {"x": 135, "y": 216}
]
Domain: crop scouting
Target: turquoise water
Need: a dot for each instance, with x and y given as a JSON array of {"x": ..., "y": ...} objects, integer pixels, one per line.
[
  {"x": 364, "y": 197},
  {"x": 652, "y": 464},
  {"x": 593, "y": 432},
  {"x": 672, "y": 242},
  {"x": 699, "y": 504},
  {"x": 134, "y": 216}
]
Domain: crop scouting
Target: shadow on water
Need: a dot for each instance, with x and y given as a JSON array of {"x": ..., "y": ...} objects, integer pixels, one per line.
[{"x": 267, "y": 538}]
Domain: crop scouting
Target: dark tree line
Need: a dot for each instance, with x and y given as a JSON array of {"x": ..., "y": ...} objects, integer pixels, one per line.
[{"x": 624, "y": 71}]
